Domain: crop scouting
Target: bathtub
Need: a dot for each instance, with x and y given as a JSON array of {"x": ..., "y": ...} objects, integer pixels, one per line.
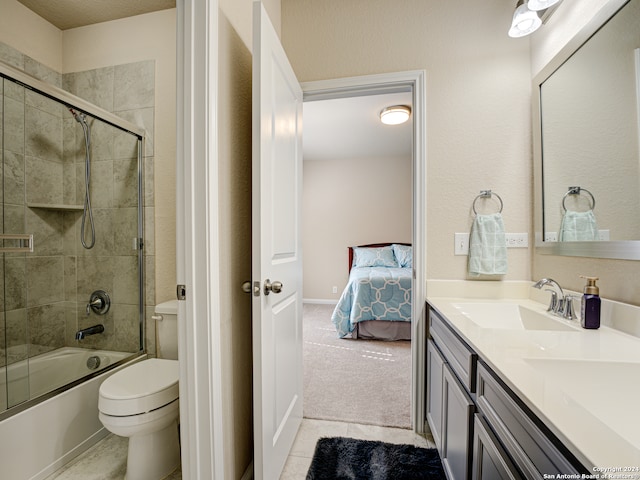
[{"x": 42, "y": 438}]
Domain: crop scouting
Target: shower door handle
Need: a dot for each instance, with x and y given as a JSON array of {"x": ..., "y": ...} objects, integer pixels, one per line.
[{"x": 25, "y": 243}]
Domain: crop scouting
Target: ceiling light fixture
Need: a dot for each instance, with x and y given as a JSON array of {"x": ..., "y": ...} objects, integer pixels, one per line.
[
  {"x": 538, "y": 5},
  {"x": 395, "y": 115},
  {"x": 525, "y": 21}
]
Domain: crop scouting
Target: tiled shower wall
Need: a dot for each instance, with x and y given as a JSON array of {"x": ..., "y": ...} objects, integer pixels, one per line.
[{"x": 47, "y": 291}]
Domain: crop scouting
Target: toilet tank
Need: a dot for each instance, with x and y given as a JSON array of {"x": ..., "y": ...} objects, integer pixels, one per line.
[{"x": 166, "y": 318}]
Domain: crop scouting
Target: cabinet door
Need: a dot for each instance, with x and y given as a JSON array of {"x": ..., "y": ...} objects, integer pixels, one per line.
[
  {"x": 490, "y": 462},
  {"x": 435, "y": 365},
  {"x": 457, "y": 428}
]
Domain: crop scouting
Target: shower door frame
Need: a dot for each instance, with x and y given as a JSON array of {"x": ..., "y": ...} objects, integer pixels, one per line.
[{"x": 72, "y": 101}]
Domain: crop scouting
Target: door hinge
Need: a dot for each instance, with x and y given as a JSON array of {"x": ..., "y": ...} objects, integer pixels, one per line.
[{"x": 181, "y": 292}]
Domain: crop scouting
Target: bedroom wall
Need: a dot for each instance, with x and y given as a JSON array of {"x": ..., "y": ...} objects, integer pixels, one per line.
[
  {"x": 618, "y": 278},
  {"x": 350, "y": 202},
  {"x": 478, "y": 100}
]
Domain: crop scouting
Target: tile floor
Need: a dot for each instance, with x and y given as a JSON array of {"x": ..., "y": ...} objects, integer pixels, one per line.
[
  {"x": 107, "y": 459},
  {"x": 312, "y": 430}
]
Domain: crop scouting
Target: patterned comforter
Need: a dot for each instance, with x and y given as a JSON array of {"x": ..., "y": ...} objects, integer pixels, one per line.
[{"x": 374, "y": 293}]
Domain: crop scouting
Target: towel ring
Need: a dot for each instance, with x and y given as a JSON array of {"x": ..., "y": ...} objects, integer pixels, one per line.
[
  {"x": 578, "y": 191},
  {"x": 486, "y": 194}
]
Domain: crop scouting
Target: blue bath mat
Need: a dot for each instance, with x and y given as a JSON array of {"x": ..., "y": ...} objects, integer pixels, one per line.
[{"x": 338, "y": 458}]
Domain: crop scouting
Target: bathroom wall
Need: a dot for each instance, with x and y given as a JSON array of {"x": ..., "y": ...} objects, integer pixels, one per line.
[
  {"x": 618, "y": 278},
  {"x": 112, "y": 264},
  {"x": 29, "y": 33},
  {"x": 478, "y": 100},
  {"x": 149, "y": 37},
  {"x": 347, "y": 202},
  {"x": 154, "y": 37},
  {"x": 234, "y": 214}
]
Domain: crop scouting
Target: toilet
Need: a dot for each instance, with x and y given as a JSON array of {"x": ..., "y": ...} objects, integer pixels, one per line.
[{"x": 141, "y": 402}]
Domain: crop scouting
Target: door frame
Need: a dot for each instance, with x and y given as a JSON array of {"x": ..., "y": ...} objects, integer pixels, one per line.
[
  {"x": 197, "y": 240},
  {"x": 414, "y": 81}
]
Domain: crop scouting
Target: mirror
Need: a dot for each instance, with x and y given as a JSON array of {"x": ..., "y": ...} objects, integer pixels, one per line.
[{"x": 588, "y": 141}]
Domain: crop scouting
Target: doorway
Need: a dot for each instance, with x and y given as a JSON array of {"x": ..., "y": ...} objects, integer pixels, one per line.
[{"x": 412, "y": 83}]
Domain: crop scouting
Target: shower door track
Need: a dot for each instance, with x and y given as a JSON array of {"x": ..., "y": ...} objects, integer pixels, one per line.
[{"x": 68, "y": 99}]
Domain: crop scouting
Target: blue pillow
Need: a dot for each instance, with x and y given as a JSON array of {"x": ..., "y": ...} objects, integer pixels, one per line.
[
  {"x": 374, "y": 257},
  {"x": 404, "y": 255}
]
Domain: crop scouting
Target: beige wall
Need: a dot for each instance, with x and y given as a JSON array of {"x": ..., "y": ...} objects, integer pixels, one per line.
[
  {"x": 618, "y": 278},
  {"x": 561, "y": 27},
  {"x": 30, "y": 34},
  {"x": 234, "y": 134},
  {"x": 478, "y": 100},
  {"x": 350, "y": 202},
  {"x": 234, "y": 196}
]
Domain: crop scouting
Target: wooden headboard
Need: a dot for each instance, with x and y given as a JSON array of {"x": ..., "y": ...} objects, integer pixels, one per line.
[{"x": 371, "y": 245}]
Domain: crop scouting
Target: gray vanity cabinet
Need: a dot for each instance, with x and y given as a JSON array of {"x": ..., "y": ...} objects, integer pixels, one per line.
[
  {"x": 457, "y": 418},
  {"x": 490, "y": 462},
  {"x": 531, "y": 449},
  {"x": 450, "y": 407},
  {"x": 435, "y": 367},
  {"x": 481, "y": 428}
]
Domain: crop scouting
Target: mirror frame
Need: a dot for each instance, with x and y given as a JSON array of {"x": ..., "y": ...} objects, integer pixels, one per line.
[{"x": 622, "y": 250}]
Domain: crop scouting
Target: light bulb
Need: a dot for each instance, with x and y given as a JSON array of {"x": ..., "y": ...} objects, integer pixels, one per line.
[
  {"x": 395, "y": 115},
  {"x": 524, "y": 22}
]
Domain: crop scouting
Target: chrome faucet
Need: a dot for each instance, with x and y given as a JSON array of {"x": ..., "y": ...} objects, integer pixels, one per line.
[
  {"x": 556, "y": 303},
  {"x": 80, "y": 334},
  {"x": 559, "y": 303}
]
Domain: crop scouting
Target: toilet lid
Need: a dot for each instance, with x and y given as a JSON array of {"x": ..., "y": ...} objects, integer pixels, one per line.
[{"x": 140, "y": 388}]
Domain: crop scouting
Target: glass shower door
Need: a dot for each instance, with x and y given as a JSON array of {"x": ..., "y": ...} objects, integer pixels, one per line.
[
  {"x": 16, "y": 245},
  {"x": 48, "y": 275}
]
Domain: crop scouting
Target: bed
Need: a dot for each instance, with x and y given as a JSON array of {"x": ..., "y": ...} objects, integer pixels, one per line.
[{"x": 376, "y": 303}]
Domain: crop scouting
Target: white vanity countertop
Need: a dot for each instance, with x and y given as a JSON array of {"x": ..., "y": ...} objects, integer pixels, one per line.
[{"x": 583, "y": 384}]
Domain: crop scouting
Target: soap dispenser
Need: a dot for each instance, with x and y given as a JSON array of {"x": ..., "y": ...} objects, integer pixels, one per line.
[{"x": 590, "y": 317}]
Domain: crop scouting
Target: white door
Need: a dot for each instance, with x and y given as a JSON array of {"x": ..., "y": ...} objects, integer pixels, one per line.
[{"x": 276, "y": 250}]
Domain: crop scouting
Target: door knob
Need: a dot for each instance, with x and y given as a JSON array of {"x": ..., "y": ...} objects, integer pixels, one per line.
[{"x": 275, "y": 287}]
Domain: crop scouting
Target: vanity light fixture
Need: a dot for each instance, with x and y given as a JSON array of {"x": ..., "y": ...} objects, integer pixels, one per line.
[
  {"x": 525, "y": 21},
  {"x": 395, "y": 115},
  {"x": 538, "y": 5}
]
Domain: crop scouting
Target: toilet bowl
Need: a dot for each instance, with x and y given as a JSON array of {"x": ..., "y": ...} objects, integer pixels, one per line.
[{"x": 141, "y": 402}]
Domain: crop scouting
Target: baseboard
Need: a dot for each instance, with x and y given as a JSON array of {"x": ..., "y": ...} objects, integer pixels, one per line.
[
  {"x": 320, "y": 301},
  {"x": 248, "y": 473}
]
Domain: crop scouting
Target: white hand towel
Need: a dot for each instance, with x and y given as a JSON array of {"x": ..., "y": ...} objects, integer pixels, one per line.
[
  {"x": 487, "y": 246},
  {"x": 578, "y": 226}
]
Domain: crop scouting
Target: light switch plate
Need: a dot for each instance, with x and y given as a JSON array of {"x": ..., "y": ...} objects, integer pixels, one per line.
[{"x": 461, "y": 244}]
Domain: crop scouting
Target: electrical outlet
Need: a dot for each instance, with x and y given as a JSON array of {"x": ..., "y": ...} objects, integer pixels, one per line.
[
  {"x": 461, "y": 244},
  {"x": 551, "y": 236},
  {"x": 603, "y": 235},
  {"x": 517, "y": 240},
  {"x": 334, "y": 289}
]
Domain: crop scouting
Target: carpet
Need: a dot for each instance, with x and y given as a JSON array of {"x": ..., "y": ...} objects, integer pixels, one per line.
[
  {"x": 347, "y": 458},
  {"x": 354, "y": 381}
]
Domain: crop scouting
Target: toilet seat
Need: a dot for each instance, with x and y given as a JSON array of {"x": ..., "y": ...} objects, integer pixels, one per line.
[{"x": 140, "y": 388}]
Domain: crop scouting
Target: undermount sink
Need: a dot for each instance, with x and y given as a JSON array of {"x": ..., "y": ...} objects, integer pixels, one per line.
[
  {"x": 592, "y": 384},
  {"x": 509, "y": 316}
]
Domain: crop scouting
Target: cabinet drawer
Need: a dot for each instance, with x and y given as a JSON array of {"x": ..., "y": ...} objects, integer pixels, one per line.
[
  {"x": 457, "y": 354},
  {"x": 530, "y": 448}
]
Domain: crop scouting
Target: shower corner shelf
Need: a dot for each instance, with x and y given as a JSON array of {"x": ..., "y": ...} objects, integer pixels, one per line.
[{"x": 55, "y": 206}]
